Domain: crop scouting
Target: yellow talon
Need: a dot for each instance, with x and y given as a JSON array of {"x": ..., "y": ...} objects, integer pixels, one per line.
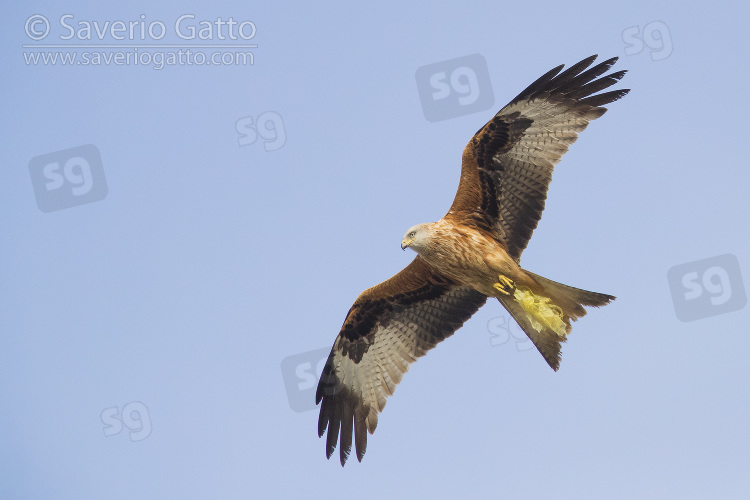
[{"x": 506, "y": 285}]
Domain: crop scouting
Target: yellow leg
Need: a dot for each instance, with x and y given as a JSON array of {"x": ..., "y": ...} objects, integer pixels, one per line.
[{"x": 506, "y": 285}]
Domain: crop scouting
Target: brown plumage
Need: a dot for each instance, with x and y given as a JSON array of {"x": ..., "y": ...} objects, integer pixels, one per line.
[{"x": 471, "y": 254}]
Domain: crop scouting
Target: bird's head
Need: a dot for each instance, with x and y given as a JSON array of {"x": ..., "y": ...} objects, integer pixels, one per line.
[{"x": 417, "y": 237}]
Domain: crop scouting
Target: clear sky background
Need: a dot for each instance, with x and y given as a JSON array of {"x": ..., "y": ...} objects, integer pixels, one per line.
[{"x": 159, "y": 333}]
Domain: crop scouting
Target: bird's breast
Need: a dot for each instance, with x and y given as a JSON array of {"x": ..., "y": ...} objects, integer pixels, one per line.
[{"x": 459, "y": 253}]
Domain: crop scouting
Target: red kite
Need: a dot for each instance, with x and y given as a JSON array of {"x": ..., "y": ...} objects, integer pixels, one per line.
[{"x": 472, "y": 253}]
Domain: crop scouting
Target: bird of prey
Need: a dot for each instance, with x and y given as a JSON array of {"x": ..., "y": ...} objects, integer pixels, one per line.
[{"x": 472, "y": 253}]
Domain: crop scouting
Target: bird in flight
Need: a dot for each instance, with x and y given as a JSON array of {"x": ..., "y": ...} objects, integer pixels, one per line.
[{"x": 469, "y": 255}]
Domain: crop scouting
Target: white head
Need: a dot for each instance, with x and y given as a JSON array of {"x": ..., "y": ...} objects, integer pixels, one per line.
[{"x": 417, "y": 237}]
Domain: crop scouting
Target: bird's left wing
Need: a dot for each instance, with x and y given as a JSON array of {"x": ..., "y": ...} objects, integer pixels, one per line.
[{"x": 388, "y": 327}]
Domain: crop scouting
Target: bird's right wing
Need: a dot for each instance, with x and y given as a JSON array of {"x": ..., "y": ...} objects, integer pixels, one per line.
[{"x": 507, "y": 165}]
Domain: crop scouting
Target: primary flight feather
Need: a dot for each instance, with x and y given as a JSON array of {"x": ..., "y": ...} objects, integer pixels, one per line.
[{"x": 469, "y": 255}]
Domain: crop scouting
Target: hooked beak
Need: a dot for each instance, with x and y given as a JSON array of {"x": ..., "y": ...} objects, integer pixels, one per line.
[{"x": 405, "y": 243}]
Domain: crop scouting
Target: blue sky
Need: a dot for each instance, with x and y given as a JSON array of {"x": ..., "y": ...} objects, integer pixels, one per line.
[{"x": 159, "y": 331}]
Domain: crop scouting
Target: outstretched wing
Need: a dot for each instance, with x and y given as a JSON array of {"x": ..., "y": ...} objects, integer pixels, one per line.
[
  {"x": 388, "y": 327},
  {"x": 507, "y": 165}
]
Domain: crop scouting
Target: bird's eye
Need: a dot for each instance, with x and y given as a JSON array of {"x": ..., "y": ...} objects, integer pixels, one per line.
[{"x": 412, "y": 234}]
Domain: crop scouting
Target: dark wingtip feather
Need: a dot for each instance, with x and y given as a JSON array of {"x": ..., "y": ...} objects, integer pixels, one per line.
[
  {"x": 577, "y": 83},
  {"x": 337, "y": 415},
  {"x": 540, "y": 82},
  {"x": 571, "y": 73},
  {"x": 360, "y": 434},
  {"x": 586, "y": 77},
  {"x": 323, "y": 418},
  {"x": 347, "y": 421},
  {"x": 605, "y": 98},
  {"x": 334, "y": 423}
]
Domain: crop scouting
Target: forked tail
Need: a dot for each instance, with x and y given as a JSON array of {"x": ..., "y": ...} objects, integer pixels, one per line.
[{"x": 545, "y": 313}]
